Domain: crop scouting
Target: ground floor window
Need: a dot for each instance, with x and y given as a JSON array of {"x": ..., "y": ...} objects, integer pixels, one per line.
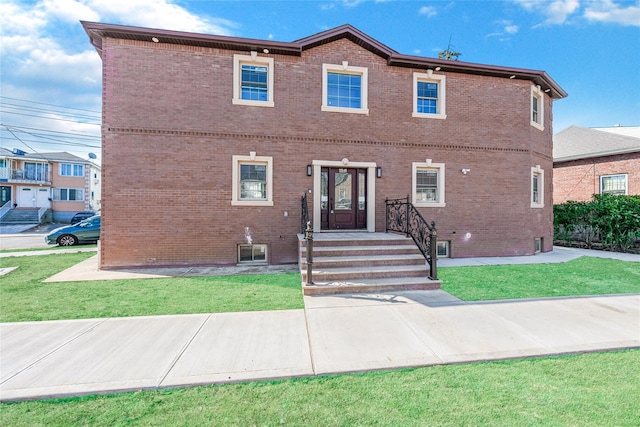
[
  {"x": 252, "y": 254},
  {"x": 68, "y": 194},
  {"x": 252, "y": 180},
  {"x": 428, "y": 184},
  {"x": 613, "y": 184},
  {"x": 537, "y": 187}
]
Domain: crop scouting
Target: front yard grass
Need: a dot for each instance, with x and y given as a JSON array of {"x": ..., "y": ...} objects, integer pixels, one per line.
[
  {"x": 582, "y": 276},
  {"x": 24, "y": 297},
  {"x": 596, "y": 389}
]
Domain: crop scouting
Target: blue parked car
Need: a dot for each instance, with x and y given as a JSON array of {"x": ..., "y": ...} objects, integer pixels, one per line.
[{"x": 82, "y": 232}]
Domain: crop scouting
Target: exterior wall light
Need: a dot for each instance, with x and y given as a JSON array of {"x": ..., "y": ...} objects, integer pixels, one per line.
[
  {"x": 379, "y": 172},
  {"x": 309, "y": 170},
  {"x": 465, "y": 171}
]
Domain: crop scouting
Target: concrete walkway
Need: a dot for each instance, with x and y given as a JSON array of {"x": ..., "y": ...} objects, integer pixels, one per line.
[{"x": 332, "y": 334}]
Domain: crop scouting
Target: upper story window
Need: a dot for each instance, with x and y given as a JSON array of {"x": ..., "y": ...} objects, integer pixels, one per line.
[
  {"x": 344, "y": 88},
  {"x": 537, "y": 187},
  {"x": 613, "y": 184},
  {"x": 252, "y": 180},
  {"x": 537, "y": 107},
  {"x": 253, "y": 80},
  {"x": 429, "y": 92},
  {"x": 428, "y": 184},
  {"x": 69, "y": 169}
]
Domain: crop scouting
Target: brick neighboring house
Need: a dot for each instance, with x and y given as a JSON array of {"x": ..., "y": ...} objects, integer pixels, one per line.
[
  {"x": 209, "y": 142},
  {"x": 588, "y": 161},
  {"x": 60, "y": 182}
]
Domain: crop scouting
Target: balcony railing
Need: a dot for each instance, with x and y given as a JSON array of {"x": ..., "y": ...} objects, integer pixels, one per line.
[{"x": 21, "y": 175}]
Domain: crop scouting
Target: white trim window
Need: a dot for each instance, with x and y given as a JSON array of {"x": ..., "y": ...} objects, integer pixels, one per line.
[
  {"x": 428, "y": 184},
  {"x": 67, "y": 194},
  {"x": 344, "y": 88},
  {"x": 537, "y": 187},
  {"x": 614, "y": 184},
  {"x": 253, "y": 80},
  {"x": 70, "y": 169},
  {"x": 252, "y": 181},
  {"x": 537, "y": 107},
  {"x": 429, "y": 95}
]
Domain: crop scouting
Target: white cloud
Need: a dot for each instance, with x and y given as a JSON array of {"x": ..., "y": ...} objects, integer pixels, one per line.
[
  {"x": 610, "y": 12},
  {"x": 508, "y": 27},
  {"x": 556, "y": 12},
  {"x": 511, "y": 29},
  {"x": 428, "y": 10},
  {"x": 70, "y": 11}
]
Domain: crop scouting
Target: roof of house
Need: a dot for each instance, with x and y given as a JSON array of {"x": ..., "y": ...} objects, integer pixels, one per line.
[
  {"x": 577, "y": 142},
  {"x": 99, "y": 31},
  {"x": 50, "y": 157}
]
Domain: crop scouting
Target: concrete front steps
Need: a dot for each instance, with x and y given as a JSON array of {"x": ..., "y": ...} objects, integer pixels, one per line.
[
  {"x": 358, "y": 262},
  {"x": 21, "y": 216}
]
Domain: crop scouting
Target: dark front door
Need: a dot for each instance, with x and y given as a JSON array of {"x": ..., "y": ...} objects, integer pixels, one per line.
[
  {"x": 5, "y": 194},
  {"x": 343, "y": 198}
]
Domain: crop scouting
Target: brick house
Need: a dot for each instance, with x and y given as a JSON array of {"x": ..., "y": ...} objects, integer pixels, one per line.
[
  {"x": 209, "y": 143},
  {"x": 588, "y": 161},
  {"x": 61, "y": 183}
]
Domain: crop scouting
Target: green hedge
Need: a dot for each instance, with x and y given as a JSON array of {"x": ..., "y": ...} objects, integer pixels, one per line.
[{"x": 612, "y": 220}]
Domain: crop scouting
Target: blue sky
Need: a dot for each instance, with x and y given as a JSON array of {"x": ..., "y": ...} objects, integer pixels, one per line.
[{"x": 50, "y": 76}]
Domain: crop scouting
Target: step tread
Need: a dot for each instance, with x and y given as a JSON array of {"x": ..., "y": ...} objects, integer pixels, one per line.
[
  {"x": 356, "y": 258},
  {"x": 369, "y": 269}
]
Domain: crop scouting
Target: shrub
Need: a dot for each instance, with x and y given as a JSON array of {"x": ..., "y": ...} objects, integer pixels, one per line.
[{"x": 612, "y": 220}]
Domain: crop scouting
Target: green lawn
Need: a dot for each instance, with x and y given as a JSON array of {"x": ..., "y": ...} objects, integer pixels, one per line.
[
  {"x": 582, "y": 276},
  {"x": 24, "y": 297},
  {"x": 597, "y": 389}
]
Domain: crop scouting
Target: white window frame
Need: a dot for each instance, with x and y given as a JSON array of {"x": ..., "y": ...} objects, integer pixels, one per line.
[
  {"x": 439, "y": 167},
  {"x": 536, "y": 93},
  {"x": 626, "y": 182},
  {"x": 73, "y": 169},
  {"x": 253, "y": 246},
  {"x": 441, "y": 106},
  {"x": 56, "y": 196},
  {"x": 539, "y": 173},
  {"x": 235, "y": 191},
  {"x": 254, "y": 59},
  {"x": 345, "y": 68}
]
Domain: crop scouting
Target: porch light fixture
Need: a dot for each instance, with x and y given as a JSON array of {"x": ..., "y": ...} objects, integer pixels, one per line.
[
  {"x": 379, "y": 172},
  {"x": 309, "y": 170}
]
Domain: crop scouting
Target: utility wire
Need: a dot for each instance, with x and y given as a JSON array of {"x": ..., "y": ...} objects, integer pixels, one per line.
[{"x": 50, "y": 105}]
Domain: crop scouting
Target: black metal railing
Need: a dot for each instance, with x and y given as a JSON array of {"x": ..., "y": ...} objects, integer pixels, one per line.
[
  {"x": 403, "y": 217},
  {"x": 304, "y": 218}
]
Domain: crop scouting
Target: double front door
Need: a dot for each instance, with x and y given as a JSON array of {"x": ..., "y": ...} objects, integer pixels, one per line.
[{"x": 343, "y": 198}]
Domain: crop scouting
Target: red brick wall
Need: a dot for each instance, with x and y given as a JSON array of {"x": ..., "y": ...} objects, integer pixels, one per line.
[
  {"x": 170, "y": 131},
  {"x": 579, "y": 180}
]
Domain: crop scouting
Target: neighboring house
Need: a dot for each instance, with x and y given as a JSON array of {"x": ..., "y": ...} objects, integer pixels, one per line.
[
  {"x": 588, "y": 161},
  {"x": 61, "y": 182},
  {"x": 209, "y": 143}
]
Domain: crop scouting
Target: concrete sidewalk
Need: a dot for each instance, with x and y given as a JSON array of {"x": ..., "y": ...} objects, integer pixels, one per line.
[{"x": 333, "y": 334}]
